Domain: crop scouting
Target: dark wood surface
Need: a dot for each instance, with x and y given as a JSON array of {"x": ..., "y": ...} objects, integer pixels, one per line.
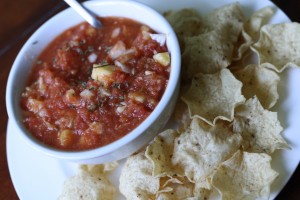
[{"x": 18, "y": 19}]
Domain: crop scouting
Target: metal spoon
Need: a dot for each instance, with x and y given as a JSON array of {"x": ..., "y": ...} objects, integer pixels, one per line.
[{"x": 87, "y": 15}]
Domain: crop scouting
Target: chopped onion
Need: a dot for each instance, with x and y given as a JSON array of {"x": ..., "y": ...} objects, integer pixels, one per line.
[
  {"x": 117, "y": 50},
  {"x": 34, "y": 105},
  {"x": 123, "y": 67},
  {"x": 104, "y": 92},
  {"x": 116, "y": 32},
  {"x": 49, "y": 126},
  {"x": 133, "y": 71},
  {"x": 86, "y": 94},
  {"x": 41, "y": 85},
  {"x": 160, "y": 38},
  {"x": 147, "y": 73},
  {"x": 146, "y": 35},
  {"x": 137, "y": 97},
  {"x": 74, "y": 43},
  {"x": 92, "y": 57},
  {"x": 96, "y": 127},
  {"x": 70, "y": 93},
  {"x": 120, "y": 50},
  {"x": 121, "y": 108}
]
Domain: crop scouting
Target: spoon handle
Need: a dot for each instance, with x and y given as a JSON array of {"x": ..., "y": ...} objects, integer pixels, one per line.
[{"x": 88, "y": 16}]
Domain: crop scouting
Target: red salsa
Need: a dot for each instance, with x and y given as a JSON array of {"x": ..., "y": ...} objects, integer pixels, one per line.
[{"x": 90, "y": 87}]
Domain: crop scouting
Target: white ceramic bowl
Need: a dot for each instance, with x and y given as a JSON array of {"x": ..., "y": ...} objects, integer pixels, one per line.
[{"x": 134, "y": 140}]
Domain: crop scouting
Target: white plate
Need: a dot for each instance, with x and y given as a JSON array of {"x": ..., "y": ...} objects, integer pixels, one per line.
[{"x": 36, "y": 176}]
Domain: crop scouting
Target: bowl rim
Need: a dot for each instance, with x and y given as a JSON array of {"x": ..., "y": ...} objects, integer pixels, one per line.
[{"x": 174, "y": 78}]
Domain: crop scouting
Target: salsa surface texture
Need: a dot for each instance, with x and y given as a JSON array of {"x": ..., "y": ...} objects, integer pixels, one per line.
[{"x": 90, "y": 87}]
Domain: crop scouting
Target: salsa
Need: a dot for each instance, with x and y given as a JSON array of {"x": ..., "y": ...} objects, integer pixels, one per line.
[{"x": 90, "y": 87}]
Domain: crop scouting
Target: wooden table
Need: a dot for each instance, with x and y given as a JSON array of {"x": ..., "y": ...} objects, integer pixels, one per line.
[{"x": 18, "y": 19}]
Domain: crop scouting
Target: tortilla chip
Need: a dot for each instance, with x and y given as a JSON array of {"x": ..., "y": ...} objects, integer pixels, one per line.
[
  {"x": 101, "y": 168},
  {"x": 175, "y": 189},
  {"x": 201, "y": 148},
  {"x": 208, "y": 42},
  {"x": 166, "y": 181},
  {"x": 88, "y": 184},
  {"x": 214, "y": 96},
  {"x": 250, "y": 31},
  {"x": 181, "y": 115},
  {"x": 160, "y": 153},
  {"x": 279, "y": 46},
  {"x": 245, "y": 176},
  {"x": 227, "y": 20},
  {"x": 261, "y": 82},
  {"x": 242, "y": 46},
  {"x": 258, "y": 19},
  {"x": 260, "y": 128},
  {"x": 185, "y": 22},
  {"x": 206, "y": 53},
  {"x": 136, "y": 180}
]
